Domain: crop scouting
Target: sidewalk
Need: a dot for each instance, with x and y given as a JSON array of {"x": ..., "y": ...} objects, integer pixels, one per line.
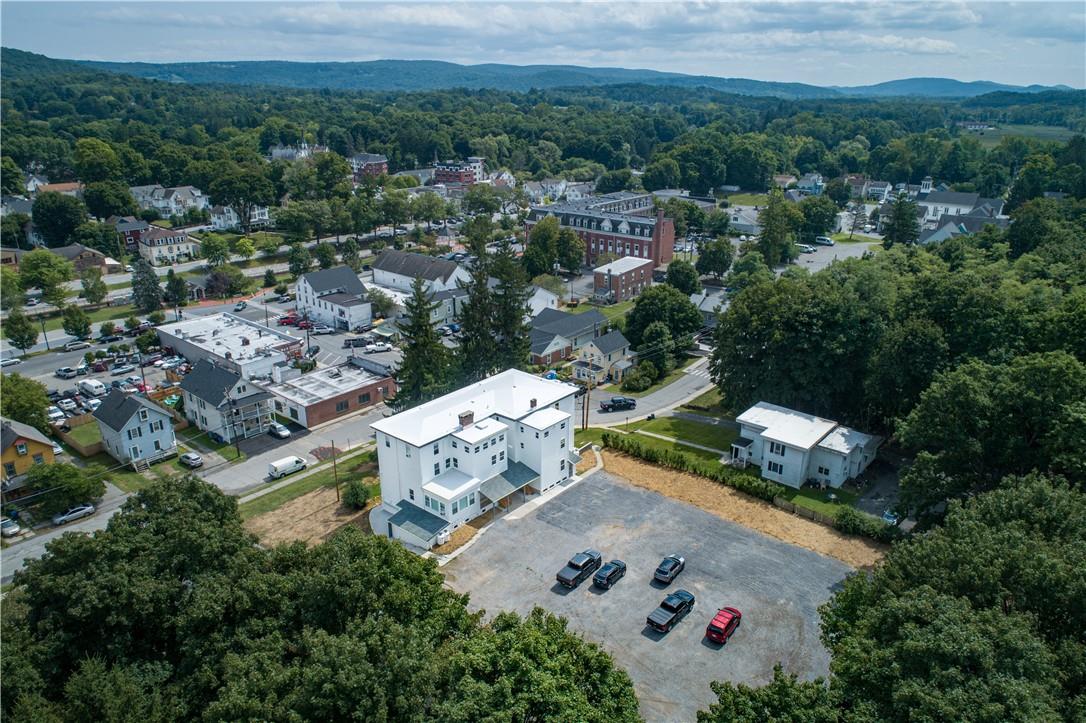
[{"x": 309, "y": 471}]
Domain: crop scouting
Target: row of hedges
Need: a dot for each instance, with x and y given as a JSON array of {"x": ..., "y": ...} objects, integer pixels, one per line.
[{"x": 848, "y": 520}]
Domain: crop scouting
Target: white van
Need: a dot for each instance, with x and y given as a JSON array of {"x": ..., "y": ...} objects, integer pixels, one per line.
[
  {"x": 93, "y": 387},
  {"x": 285, "y": 466}
]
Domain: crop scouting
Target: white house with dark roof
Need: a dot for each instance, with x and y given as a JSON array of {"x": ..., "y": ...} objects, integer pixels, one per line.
[
  {"x": 602, "y": 358},
  {"x": 446, "y": 462},
  {"x": 793, "y": 447},
  {"x": 170, "y": 201},
  {"x": 398, "y": 270},
  {"x": 335, "y": 297},
  {"x": 134, "y": 430},
  {"x": 220, "y": 402},
  {"x": 956, "y": 203}
]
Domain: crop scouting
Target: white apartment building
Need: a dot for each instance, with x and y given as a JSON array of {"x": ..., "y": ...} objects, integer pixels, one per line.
[
  {"x": 220, "y": 402},
  {"x": 224, "y": 218},
  {"x": 335, "y": 297},
  {"x": 792, "y": 447},
  {"x": 446, "y": 462}
]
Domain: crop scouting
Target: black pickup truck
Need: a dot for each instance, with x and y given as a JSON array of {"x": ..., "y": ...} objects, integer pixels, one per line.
[
  {"x": 616, "y": 403},
  {"x": 673, "y": 609},
  {"x": 579, "y": 568}
]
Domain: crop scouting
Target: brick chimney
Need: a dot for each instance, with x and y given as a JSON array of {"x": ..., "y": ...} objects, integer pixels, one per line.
[
  {"x": 466, "y": 418},
  {"x": 532, "y": 403}
]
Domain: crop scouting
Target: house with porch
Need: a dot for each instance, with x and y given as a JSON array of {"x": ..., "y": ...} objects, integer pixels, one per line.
[
  {"x": 605, "y": 357},
  {"x": 134, "y": 430},
  {"x": 794, "y": 448},
  {"x": 21, "y": 448},
  {"x": 220, "y": 402},
  {"x": 446, "y": 462}
]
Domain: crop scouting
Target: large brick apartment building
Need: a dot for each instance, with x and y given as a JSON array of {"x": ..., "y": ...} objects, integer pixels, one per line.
[
  {"x": 622, "y": 224},
  {"x": 460, "y": 173}
]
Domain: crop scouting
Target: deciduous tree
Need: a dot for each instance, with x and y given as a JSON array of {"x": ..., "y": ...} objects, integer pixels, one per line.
[
  {"x": 48, "y": 272},
  {"x": 666, "y": 304},
  {"x": 325, "y": 254},
  {"x": 216, "y": 251},
  {"x": 683, "y": 276},
  {"x": 715, "y": 258},
  {"x": 94, "y": 288},
  {"x": 76, "y": 322},
  {"x": 24, "y": 400}
]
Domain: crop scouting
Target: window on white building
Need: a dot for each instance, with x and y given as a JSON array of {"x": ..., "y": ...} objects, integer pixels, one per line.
[
  {"x": 824, "y": 470},
  {"x": 493, "y": 459},
  {"x": 437, "y": 468},
  {"x": 436, "y": 447},
  {"x": 775, "y": 467},
  {"x": 776, "y": 448},
  {"x": 407, "y": 451}
]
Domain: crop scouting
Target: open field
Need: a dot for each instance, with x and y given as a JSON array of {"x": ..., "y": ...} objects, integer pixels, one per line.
[
  {"x": 707, "y": 435},
  {"x": 748, "y": 199},
  {"x": 359, "y": 465},
  {"x": 612, "y": 312},
  {"x": 991, "y": 138},
  {"x": 310, "y": 518}
]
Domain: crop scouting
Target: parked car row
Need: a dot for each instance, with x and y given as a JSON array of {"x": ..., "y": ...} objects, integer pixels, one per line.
[{"x": 676, "y": 606}]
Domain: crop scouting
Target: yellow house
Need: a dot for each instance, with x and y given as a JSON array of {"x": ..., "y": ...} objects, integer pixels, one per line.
[{"x": 21, "y": 447}]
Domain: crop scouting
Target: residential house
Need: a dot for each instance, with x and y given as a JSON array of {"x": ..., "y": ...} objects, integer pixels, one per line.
[
  {"x": 811, "y": 184},
  {"x": 857, "y": 185},
  {"x": 84, "y": 257},
  {"x": 710, "y": 303},
  {"x": 879, "y": 191},
  {"x": 460, "y": 173},
  {"x": 744, "y": 220},
  {"x": 328, "y": 393},
  {"x": 579, "y": 190},
  {"x": 175, "y": 201},
  {"x": 21, "y": 447},
  {"x": 451, "y": 302},
  {"x": 16, "y": 204},
  {"x": 368, "y": 165},
  {"x": 34, "y": 182},
  {"x": 224, "y": 218},
  {"x": 503, "y": 179},
  {"x": 956, "y": 203},
  {"x": 793, "y": 448},
  {"x": 130, "y": 229},
  {"x": 72, "y": 188},
  {"x": 166, "y": 246},
  {"x": 605, "y": 357},
  {"x": 547, "y": 347},
  {"x": 794, "y": 195},
  {"x": 448, "y": 461},
  {"x": 535, "y": 193},
  {"x": 220, "y": 402},
  {"x": 784, "y": 180},
  {"x": 622, "y": 279},
  {"x": 335, "y": 297},
  {"x": 579, "y": 329},
  {"x": 399, "y": 269},
  {"x": 134, "y": 430}
]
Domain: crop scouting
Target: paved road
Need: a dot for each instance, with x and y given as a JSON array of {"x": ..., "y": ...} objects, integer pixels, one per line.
[
  {"x": 14, "y": 558},
  {"x": 694, "y": 381}
]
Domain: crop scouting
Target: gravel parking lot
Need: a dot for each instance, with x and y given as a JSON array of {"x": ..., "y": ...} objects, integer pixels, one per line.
[{"x": 777, "y": 586}]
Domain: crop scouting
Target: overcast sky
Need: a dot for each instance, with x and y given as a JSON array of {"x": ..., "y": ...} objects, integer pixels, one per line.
[{"x": 824, "y": 43}]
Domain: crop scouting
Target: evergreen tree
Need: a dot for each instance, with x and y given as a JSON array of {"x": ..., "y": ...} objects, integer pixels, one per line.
[
  {"x": 94, "y": 289},
  {"x": 779, "y": 221},
  {"x": 424, "y": 371},
  {"x": 177, "y": 291},
  {"x": 512, "y": 329},
  {"x": 20, "y": 331},
  {"x": 349, "y": 254},
  {"x": 145, "y": 289},
  {"x": 269, "y": 279},
  {"x": 902, "y": 227},
  {"x": 76, "y": 322},
  {"x": 477, "y": 354},
  {"x": 299, "y": 260}
]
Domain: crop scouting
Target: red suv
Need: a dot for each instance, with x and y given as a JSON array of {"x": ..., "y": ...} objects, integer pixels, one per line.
[
  {"x": 723, "y": 624},
  {"x": 305, "y": 324},
  {"x": 288, "y": 321}
]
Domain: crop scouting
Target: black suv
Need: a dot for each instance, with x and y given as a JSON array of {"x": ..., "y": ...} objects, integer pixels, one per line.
[
  {"x": 579, "y": 568},
  {"x": 617, "y": 403}
]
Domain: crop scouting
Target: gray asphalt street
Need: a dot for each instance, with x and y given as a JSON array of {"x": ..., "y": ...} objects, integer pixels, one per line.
[{"x": 776, "y": 586}]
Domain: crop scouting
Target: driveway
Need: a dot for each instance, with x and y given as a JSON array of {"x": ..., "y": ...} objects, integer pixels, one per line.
[
  {"x": 694, "y": 381},
  {"x": 778, "y": 588}
]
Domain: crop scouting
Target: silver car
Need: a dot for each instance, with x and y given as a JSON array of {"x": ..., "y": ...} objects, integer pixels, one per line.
[
  {"x": 9, "y": 527},
  {"x": 276, "y": 429},
  {"x": 73, "y": 513},
  {"x": 192, "y": 460}
]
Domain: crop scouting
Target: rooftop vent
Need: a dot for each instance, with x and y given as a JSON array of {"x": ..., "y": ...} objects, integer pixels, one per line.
[
  {"x": 466, "y": 418},
  {"x": 532, "y": 403},
  {"x": 245, "y": 341}
]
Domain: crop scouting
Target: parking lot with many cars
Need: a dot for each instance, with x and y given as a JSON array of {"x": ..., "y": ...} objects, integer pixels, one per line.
[{"x": 776, "y": 587}]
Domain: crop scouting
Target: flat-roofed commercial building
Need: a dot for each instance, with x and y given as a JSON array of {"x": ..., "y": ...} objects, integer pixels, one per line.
[
  {"x": 326, "y": 394},
  {"x": 245, "y": 347}
]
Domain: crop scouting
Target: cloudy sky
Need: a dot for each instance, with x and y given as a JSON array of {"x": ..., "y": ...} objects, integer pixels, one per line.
[{"x": 824, "y": 43}]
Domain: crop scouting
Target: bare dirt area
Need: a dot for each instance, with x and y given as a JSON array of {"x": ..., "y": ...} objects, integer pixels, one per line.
[
  {"x": 463, "y": 534},
  {"x": 311, "y": 519},
  {"x": 731, "y": 505},
  {"x": 588, "y": 461}
]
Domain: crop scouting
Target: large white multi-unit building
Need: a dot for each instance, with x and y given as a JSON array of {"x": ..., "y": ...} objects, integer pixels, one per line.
[
  {"x": 793, "y": 448},
  {"x": 447, "y": 461},
  {"x": 242, "y": 346}
]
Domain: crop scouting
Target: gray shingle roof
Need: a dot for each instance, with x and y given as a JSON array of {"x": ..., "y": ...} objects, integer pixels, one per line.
[
  {"x": 952, "y": 198},
  {"x": 540, "y": 340},
  {"x": 337, "y": 278},
  {"x": 568, "y": 325},
  {"x": 118, "y": 408},
  {"x": 12, "y": 430},
  {"x": 611, "y": 341},
  {"x": 418, "y": 521},
  {"x": 414, "y": 265},
  {"x": 209, "y": 382},
  {"x": 514, "y": 478}
]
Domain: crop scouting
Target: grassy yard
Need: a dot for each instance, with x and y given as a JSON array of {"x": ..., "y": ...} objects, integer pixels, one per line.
[
  {"x": 857, "y": 238},
  {"x": 199, "y": 440},
  {"x": 106, "y": 313},
  {"x": 709, "y": 403},
  {"x": 818, "y": 500},
  {"x": 748, "y": 199},
  {"x": 122, "y": 477},
  {"x": 87, "y": 433},
  {"x": 707, "y": 435},
  {"x": 670, "y": 377},
  {"x": 991, "y": 138},
  {"x": 612, "y": 312},
  {"x": 595, "y": 434},
  {"x": 323, "y": 477}
]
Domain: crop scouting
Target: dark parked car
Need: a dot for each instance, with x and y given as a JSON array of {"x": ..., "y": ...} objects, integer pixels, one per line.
[
  {"x": 112, "y": 339},
  {"x": 669, "y": 568},
  {"x": 579, "y": 568},
  {"x": 673, "y": 609},
  {"x": 616, "y": 403},
  {"x": 723, "y": 624},
  {"x": 609, "y": 574}
]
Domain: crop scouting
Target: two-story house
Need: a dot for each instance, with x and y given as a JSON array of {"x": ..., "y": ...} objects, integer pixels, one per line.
[
  {"x": 577, "y": 328},
  {"x": 134, "y": 430},
  {"x": 170, "y": 201},
  {"x": 166, "y": 247},
  {"x": 225, "y": 218},
  {"x": 792, "y": 447},
  {"x": 605, "y": 357},
  {"x": 446, "y": 462},
  {"x": 130, "y": 229},
  {"x": 398, "y": 270},
  {"x": 21, "y": 447},
  {"x": 335, "y": 297},
  {"x": 224, "y": 405}
]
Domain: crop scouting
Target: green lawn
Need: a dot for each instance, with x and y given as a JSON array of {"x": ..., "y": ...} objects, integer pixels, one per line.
[
  {"x": 595, "y": 434},
  {"x": 842, "y": 238},
  {"x": 201, "y": 441},
  {"x": 86, "y": 433},
  {"x": 612, "y": 312},
  {"x": 324, "y": 477},
  {"x": 709, "y": 403},
  {"x": 123, "y": 478},
  {"x": 991, "y": 138},
  {"x": 707, "y": 435},
  {"x": 748, "y": 199},
  {"x": 106, "y": 313},
  {"x": 818, "y": 500},
  {"x": 671, "y": 376}
]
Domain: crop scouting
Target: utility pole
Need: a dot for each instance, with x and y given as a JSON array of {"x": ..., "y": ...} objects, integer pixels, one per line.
[
  {"x": 335, "y": 472},
  {"x": 44, "y": 333}
]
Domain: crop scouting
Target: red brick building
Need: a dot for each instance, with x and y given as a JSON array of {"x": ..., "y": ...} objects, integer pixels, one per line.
[
  {"x": 326, "y": 394},
  {"x": 623, "y": 279},
  {"x": 368, "y": 165},
  {"x": 622, "y": 224},
  {"x": 460, "y": 173}
]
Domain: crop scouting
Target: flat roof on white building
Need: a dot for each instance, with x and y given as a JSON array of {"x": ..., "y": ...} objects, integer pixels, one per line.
[
  {"x": 230, "y": 337},
  {"x": 844, "y": 439},
  {"x": 322, "y": 384},
  {"x": 509, "y": 394},
  {"x": 477, "y": 432},
  {"x": 621, "y": 266},
  {"x": 544, "y": 418},
  {"x": 787, "y": 426},
  {"x": 450, "y": 484}
]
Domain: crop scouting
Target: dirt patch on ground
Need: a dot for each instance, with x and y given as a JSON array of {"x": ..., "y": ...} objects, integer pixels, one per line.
[
  {"x": 747, "y": 511},
  {"x": 311, "y": 518},
  {"x": 588, "y": 461},
  {"x": 463, "y": 534}
]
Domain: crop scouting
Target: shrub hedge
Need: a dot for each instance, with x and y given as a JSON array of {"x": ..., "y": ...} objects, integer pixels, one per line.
[{"x": 848, "y": 520}]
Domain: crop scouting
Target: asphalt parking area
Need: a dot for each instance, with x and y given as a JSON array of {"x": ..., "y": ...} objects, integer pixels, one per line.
[{"x": 778, "y": 588}]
